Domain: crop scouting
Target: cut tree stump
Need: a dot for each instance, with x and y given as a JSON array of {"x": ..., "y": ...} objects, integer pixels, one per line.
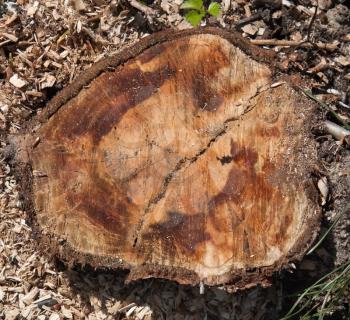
[{"x": 179, "y": 158}]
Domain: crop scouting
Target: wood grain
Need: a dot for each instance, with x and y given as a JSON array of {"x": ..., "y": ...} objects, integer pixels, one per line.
[{"x": 183, "y": 163}]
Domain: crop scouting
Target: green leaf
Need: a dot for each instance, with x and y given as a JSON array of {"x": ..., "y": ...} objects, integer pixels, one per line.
[
  {"x": 192, "y": 5},
  {"x": 194, "y": 17},
  {"x": 214, "y": 9}
]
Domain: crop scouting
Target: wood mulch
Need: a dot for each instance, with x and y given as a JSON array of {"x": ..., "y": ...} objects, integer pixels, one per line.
[{"x": 44, "y": 45}]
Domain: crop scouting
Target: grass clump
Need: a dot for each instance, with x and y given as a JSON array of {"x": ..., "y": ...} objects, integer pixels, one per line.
[{"x": 321, "y": 299}]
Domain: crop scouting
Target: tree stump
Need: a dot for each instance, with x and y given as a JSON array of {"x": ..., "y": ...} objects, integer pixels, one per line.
[{"x": 178, "y": 158}]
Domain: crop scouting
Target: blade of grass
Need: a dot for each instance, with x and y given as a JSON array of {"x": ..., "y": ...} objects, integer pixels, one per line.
[
  {"x": 336, "y": 219},
  {"x": 324, "y": 105},
  {"x": 334, "y": 286},
  {"x": 318, "y": 283}
]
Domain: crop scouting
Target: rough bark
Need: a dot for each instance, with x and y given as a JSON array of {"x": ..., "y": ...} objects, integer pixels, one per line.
[{"x": 176, "y": 159}]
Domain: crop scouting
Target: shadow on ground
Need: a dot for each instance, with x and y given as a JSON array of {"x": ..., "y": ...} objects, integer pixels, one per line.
[{"x": 169, "y": 300}]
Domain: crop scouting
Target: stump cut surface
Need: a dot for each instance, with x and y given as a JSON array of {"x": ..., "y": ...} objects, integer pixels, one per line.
[{"x": 181, "y": 162}]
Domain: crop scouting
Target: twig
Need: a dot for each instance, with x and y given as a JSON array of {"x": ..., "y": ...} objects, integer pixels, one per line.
[
  {"x": 4, "y": 42},
  {"x": 10, "y": 36},
  {"x": 290, "y": 43},
  {"x": 322, "y": 65},
  {"x": 143, "y": 8},
  {"x": 343, "y": 105},
  {"x": 336, "y": 131},
  {"x": 311, "y": 23},
  {"x": 247, "y": 20},
  {"x": 255, "y": 17},
  {"x": 11, "y": 19}
]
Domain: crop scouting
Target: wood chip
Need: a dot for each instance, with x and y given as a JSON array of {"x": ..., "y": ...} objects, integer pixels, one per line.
[
  {"x": 322, "y": 65},
  {"x": 54, "y": 316},
  {"x": 53, "y": 55},
  {"x": 27, "y": 311},
  {"x": 79, "y": 5},
  {"x": 343, "y": 60},
  {"x": 11, "y": 19},
  {"x": 140, "y": 6},
  {"x": 32, "y": 9},
  {"x": 48, "y": 81},
  {"x": 130, "y": 311},
  {"x": 66, "y": 313},
  {"x": 34, "y": 93},
  {"x": 30, "y": 296},
  {"x": 12, "y": 314},
  {"x": 322, "y": 185},
  {"x": 2, "y": 295},
  {"x": 250, "y": 29},
  {"x": 247, "y": 10},
  {"x": 261, "y": 31},
  {"x": 17, "y": 81},
  {"x": 9, "y": 36},
  {"x": 126, "y": 308}
]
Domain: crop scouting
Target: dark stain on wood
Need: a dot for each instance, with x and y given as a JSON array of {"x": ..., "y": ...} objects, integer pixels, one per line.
[
  {"x": 180, "y": 231},
  {"x": 204, "y": 94},
  {"x": 224, "y": 159},
  {"x": 105, "y": 206},
  {"x": 127, "y": 87},
  {"x": 151, "y": 53},
  {"x": 244, "y": 184}
]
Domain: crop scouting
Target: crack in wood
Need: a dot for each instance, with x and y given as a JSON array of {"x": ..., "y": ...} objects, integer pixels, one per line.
[{"x": 181, "y": 164}]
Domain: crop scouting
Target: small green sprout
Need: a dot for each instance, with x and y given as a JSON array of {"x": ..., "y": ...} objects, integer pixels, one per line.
[{"x": 196, "y": 11}]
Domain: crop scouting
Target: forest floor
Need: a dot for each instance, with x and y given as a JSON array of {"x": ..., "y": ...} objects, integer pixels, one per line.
[{"x": 44, "y": 45}]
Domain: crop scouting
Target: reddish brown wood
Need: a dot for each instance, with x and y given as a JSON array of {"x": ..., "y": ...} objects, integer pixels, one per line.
[{"x": 181, "y": 161}]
